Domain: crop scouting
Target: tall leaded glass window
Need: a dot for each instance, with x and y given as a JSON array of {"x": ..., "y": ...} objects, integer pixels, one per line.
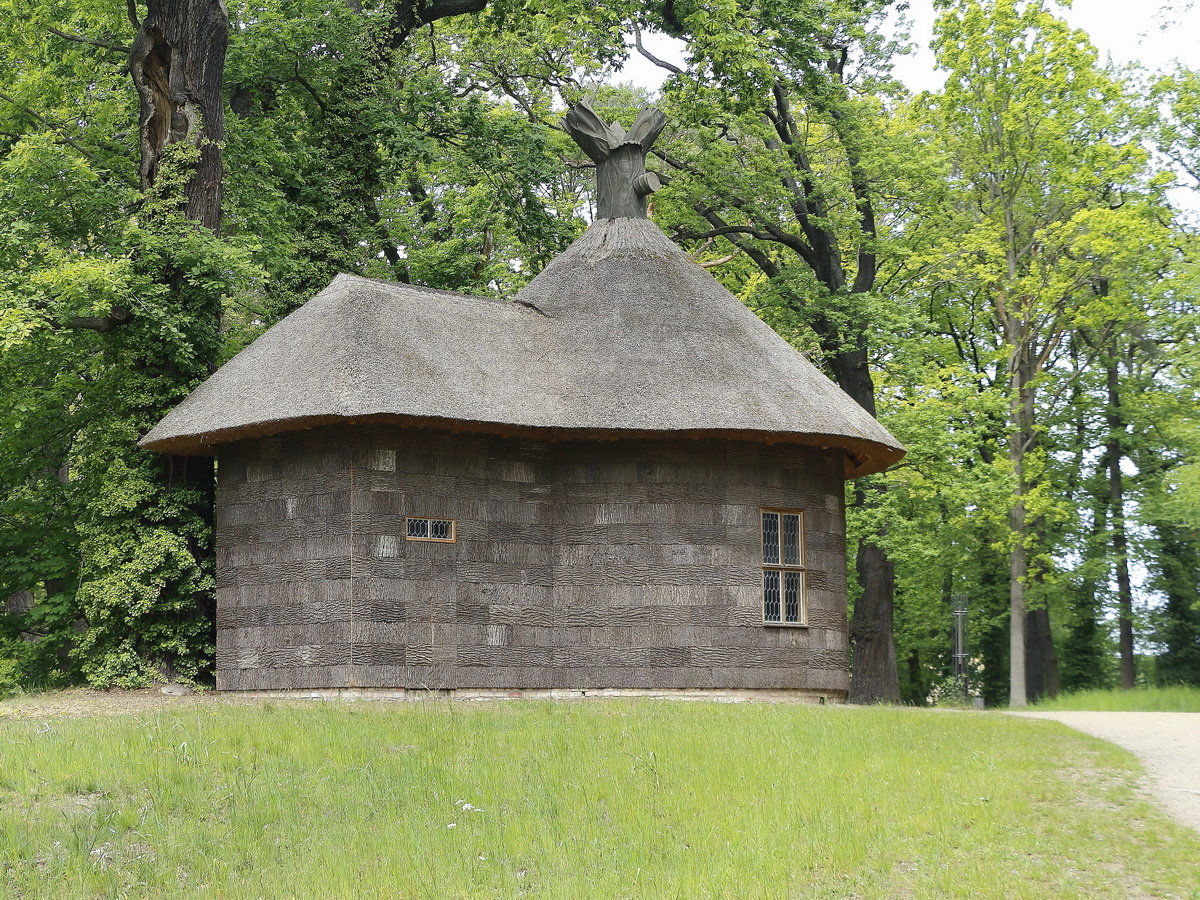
[{"x": 783, "y": 566}]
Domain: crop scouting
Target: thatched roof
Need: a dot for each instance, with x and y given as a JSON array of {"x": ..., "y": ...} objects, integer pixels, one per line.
[{"x": 623, "y": 335}]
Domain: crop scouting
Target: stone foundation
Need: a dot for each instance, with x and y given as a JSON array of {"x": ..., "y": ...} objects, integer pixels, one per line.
[{"x": 460, "y": 695}]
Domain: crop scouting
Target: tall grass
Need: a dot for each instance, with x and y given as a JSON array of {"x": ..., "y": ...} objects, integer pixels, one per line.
[
  {"x": 1179, "y": 698},
  {"x": 575, "y": 800}
]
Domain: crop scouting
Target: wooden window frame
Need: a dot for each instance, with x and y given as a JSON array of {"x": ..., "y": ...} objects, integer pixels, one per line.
[
  {"x": 783, "y": 568},
  {"x": 453, "y": 539}
]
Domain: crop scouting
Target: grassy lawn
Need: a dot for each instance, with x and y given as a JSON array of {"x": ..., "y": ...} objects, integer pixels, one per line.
[
  {"x": 600, "y": 799},
  {"x": 1144, "y": 699}
]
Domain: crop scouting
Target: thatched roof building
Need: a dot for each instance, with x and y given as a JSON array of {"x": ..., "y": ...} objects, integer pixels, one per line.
[{"x": 624, "y": 361}]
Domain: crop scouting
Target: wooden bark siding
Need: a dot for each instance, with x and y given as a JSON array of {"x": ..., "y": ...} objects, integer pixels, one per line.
[{"x": 589, "y": 564}]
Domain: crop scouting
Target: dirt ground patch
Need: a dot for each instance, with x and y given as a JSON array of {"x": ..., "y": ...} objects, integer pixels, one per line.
[
  {"x": 81, "y": 703},
  {"x": 1167, "y": 743}
]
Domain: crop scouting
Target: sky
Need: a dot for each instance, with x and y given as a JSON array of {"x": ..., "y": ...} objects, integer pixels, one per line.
[{"x": 1154, "y": 32}]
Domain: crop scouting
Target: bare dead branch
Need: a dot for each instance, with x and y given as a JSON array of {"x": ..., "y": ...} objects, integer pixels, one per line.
[
  {"x": 80, "y": 39},
  {"x": 713, "y": 263},
  {"x": 661, "y": 63}
]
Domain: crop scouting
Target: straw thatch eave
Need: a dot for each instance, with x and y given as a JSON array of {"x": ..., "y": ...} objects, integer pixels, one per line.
[{"x": 861, "y": 457}]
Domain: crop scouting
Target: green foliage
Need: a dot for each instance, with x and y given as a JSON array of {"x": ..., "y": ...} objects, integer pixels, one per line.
[
  {"x": 790, "y": 190},
  {"x": 1088, "y": 650},
  {"x": 10, "y": 671},
  {"x": 1177, "y": 131},
  {"x": 943, "y": 512},
  {"x": 146, "y": 544},
  {"x": 137, "y": 552},
  {"x": 63, "y": 183},
  {"x": 118, "y": 562},
  {"x": 399, "y": 162},
  {"x": 1177, "y": 621}
]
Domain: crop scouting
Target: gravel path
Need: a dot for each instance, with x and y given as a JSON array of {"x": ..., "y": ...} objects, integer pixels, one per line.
[{"x": 1168, "y": 744}]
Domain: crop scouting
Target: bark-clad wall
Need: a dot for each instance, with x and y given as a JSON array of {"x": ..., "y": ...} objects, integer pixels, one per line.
[{"x": 610, "y": 564}]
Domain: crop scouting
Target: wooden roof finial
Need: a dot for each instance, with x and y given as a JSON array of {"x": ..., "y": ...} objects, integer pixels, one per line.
[{"x": 622, "y": 182}]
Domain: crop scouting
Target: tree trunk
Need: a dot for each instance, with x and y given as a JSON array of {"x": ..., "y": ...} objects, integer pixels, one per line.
[
  {"x": 177, "y": 62},
  {"x": 1021, "y": 439},
  {"x": 1034, "y": 683},
  {"x": 1116, "y": 497},
  {"x": 1041, "y": 661},
  {"x": 874, "y": 677},
  {"x": 1017, "y": 569},
  {"x": 1051, "y": 679},
  {"x": 18, "y": 603}
]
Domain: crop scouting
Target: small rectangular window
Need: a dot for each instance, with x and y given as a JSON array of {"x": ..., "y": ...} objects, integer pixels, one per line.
[
  {"x": 420, "y": 528},
  {"x": 783, "y": 567}
]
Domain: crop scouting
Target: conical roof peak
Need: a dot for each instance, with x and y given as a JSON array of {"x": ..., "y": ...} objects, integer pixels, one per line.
[{"x": 622, "y": 182}]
